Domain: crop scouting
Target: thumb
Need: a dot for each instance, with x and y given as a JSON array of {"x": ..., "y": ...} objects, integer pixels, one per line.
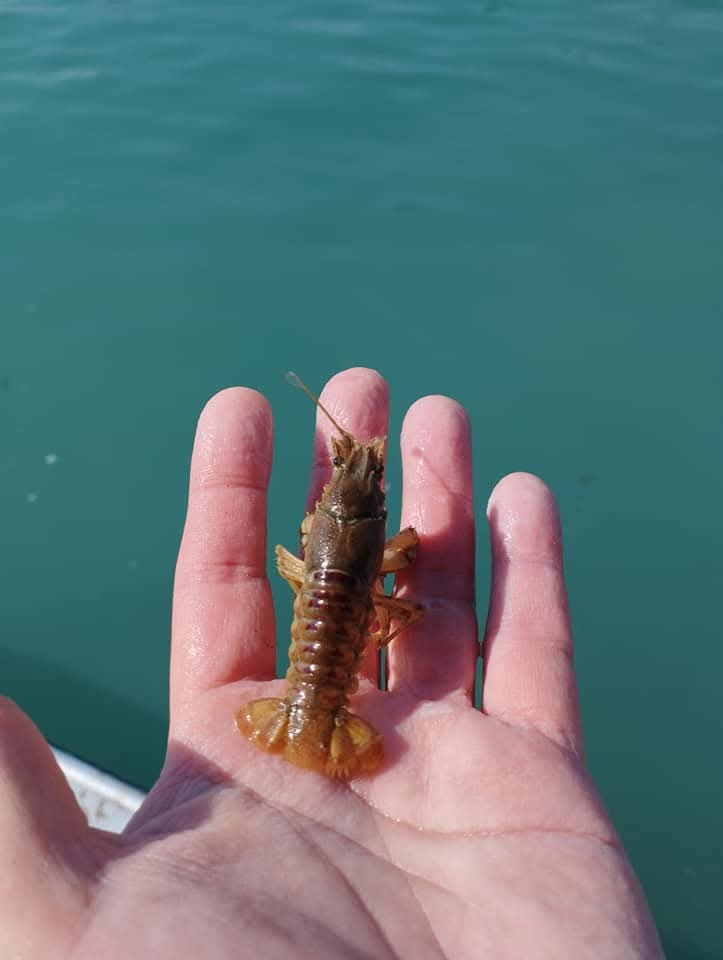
[{"x": 45, "y": 849}]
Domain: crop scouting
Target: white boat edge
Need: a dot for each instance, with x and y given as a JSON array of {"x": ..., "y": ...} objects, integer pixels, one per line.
[{"x": 107, "y": 802}]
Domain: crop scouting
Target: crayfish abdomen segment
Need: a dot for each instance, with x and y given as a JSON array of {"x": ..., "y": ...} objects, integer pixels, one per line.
[
  {"x": 312, "y": 726},
  {"x": 328, "y": 636}
]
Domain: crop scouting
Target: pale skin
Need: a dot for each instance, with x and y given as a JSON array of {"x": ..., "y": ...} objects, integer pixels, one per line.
[{"x": 482, "y": 836}]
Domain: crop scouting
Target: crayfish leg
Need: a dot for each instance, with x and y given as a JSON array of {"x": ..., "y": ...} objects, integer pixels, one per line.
[
  {"x": 400, "y": 550},
  {"x": 387, "y": 609},
  {"x": 264, "y": 722},
  {"x": 305, "y": 531},
  {"x": 290, "y": 568}
]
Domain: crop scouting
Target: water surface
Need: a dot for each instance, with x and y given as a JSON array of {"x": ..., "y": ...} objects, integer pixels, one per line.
[{"x": 515, "y": 203}]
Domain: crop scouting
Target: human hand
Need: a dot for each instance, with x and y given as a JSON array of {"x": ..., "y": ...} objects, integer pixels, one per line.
[{"x": 482, "y": 836}]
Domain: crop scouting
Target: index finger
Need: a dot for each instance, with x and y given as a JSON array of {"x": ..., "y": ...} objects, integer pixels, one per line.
[{"x": 223, "y": 621}]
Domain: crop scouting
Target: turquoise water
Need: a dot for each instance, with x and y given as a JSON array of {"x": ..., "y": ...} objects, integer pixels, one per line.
[{"x": 515, "y": 203}]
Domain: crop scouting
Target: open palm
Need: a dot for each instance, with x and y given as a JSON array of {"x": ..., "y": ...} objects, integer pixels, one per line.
[{"x": 482, "y": 836}]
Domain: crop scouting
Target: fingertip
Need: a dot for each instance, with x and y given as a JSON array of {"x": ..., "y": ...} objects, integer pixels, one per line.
[
  {"x": 523, "y": 486},
  {"x": 436, "y": 446},
  {"x": 524, "y": 518},
  {"x": 434, "y": 409},
  {"x": 12, "y": 719},
  {"x": 359, "y": 399},
  {"x": 362, "y": 376},
  {"x": 34, "y": 789},
  {"x": 15, "y": 725},
  {"x": 230, "y": 403},
  {"x": 235, "y": 429},
  {"x": 8, "y": 710}
]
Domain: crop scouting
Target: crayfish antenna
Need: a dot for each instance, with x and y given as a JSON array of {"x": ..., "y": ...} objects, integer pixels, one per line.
[{"x": 295, "y": 380}]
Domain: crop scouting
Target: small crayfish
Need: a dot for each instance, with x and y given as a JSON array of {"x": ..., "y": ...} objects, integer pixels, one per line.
[{"x": 339, "y": 606}]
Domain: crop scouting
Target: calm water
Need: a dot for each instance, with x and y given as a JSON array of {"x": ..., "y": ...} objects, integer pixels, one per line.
[{"x": 516, "y": 203}]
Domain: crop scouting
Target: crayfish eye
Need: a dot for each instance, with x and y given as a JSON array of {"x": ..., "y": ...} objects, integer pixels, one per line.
[{"x": 337, "y": 461}]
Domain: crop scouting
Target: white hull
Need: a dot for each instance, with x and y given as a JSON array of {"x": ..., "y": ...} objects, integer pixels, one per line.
[{"x": 107, "y": 802}]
